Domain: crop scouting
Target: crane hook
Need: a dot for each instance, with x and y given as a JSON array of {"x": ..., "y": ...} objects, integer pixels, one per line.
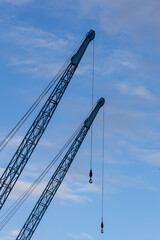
[
  {"x": 90, "y": 175},
  {"x": 102, "y": 226}
]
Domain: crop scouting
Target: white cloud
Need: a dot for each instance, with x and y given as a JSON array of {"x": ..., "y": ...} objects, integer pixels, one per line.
[
  {"x": 16, "y": 141},
  {"x": 11, "y": 235},
  {"x": 14, "y": 232},
  {"x": 126, "y": 64},
  {"x": 87, "y": 188},
  {"x": 138, "y": 91},
  {"x": 37, "y": 51},
  {"x": 80, "y": 236},
  {"x": 86, "y": 235},
  {"x": 125, "y": 15},
  {"x": 77, "y": 192},
  {"x": 119, "y": 62},
  {"x": 36, "y": 38},
  {"x": 147, "y": 155},
  {"x": 34, "y": 66},
  {"x": 74, "y": 191},
  {"x": 22, "y": 186},
  {"x": 121, "y": 16},
  {"x": 83, "y": 69},
  {"x": 1, "y": 171},
  {"x": 69, "y": 192},
  {"x": 142, "y": 92},
  {"x": 151, "y": 156}
]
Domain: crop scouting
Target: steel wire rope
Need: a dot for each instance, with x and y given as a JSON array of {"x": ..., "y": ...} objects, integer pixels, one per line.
[
  {"x": 15, "y": 129},
  {"x": 92, "y": 93},
  {"x": 9, "y": 213},
  {"x": 102, "y": 224}
]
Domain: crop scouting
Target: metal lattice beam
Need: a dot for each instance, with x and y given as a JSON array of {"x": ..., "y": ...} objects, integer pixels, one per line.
[
  {"x": 28, "y": 144},
  {"x": 56, "y": 179}
]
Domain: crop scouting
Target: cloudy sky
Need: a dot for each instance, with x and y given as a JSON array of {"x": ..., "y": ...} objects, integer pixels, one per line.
[{"x": 35, "y": 40}]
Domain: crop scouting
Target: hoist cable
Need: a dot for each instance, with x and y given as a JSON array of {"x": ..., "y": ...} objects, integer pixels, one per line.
[
  {"x": 92, "y": 91},
  {"x": 15, "y": 129},
  {"x": 102, "y": 225},
  {"x": 9, "y": 213},
  {"x": 93, "y": 72}
]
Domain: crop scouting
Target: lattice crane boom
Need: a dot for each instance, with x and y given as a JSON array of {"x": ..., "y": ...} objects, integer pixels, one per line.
[
  {"x": 57, "y": 178},
  {"x": 28, "y": 144}
]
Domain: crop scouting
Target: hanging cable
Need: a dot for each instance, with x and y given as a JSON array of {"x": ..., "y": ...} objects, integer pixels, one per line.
[
  {"x": 15, "y": 129},
  {"x": 102, "y": 224},
  {"x": 9, "y": 213},
  {"x": 91, "y": 173}
]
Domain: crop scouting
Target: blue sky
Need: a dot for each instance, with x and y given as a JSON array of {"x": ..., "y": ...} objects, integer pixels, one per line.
[{"x": 35, "y": 40}]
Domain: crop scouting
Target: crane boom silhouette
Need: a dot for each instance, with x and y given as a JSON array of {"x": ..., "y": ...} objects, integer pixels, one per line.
[
  {"x": 31, "y": 139},
  {"x": 57, "y": 178}
]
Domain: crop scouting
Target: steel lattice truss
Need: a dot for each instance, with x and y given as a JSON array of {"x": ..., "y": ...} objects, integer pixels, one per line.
[
  {"x": 51, "y": 188},
  {"x": 27, "y": 146},
  {"x": 57, "y": 178},
  {"x": 33, "y": 136}
]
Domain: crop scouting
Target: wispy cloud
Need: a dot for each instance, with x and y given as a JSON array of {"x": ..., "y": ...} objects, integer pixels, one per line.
[
  {"x": 21, "y": 186},
  {"x": 34, "y": 66},
  {"x": 147, "y": 155},
  {"x": 78, "y": 191},
  {"x": 121, "y": 16},
  {"x": 34, "y": 50},
  {"x": 42, "y": 51},
  {"x": 36, "y": 38},
  {"x": 80, "y": 236},
  {"x": 14, "y": 233},
  {"x": 16, "y": 141},
  {"x": 152, "y": 157},
  {"x": 122, "y": 58},
  {"x": 70, "y": 191},
  {"x": 11, "y": 235},
  {"x": 139, "y": 91}
]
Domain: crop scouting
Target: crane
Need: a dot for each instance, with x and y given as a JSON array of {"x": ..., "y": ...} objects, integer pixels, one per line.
[
  {"x": 28, "y": 144},
  {"x": 57, "y": 178}
]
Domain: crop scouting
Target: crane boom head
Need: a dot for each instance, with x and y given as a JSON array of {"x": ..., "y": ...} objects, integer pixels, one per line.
[
  {"x": 101, "y": 102},
  {"x": 90, "y": 119},
  {"x": 79, "y": 54},
  {"x": 91, "y": 34}
]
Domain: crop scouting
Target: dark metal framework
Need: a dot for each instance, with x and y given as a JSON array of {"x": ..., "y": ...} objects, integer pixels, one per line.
[
  {"x": 33, "y": 136},
  {"x": 56, "y": 179},
  {"x": 28, "y": 144}
]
